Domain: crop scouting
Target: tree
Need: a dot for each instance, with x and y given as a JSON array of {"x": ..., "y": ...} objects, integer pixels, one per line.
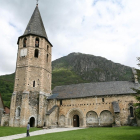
[
  {"x": 137, "y": 105},
  {"x": 137, "y": 96}
]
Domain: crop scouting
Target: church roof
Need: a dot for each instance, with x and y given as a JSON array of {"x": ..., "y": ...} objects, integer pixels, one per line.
[
  {"x": 93, "y": 89},
  {"x": 35, "y": 25}
]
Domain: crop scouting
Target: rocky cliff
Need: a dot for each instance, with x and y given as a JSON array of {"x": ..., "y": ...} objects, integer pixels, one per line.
[{"x": 93, "y": 68}]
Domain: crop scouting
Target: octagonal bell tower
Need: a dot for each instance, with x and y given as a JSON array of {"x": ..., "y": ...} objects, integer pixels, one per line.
[{"x": 33, "y": 75}]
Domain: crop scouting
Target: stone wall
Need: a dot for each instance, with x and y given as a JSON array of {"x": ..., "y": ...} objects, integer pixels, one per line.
[
  {"x": 1, "y": 108},
  {"x": 52, "y": 119},
  {"x": 30, "y": 68},
  {"x": 138, "y": 122},
  {"x": 1, "y": 113},
  {"x": 5, "y": 120},
  {"x": 94, "y": 112},
  {"x": 31, "y": 104}
]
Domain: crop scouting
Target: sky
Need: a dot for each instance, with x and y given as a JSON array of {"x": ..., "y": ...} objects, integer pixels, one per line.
[{"x": 106, "y": 28}]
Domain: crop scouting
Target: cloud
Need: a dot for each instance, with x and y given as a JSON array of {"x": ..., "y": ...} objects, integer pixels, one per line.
[{"x": 107, "y": 28}]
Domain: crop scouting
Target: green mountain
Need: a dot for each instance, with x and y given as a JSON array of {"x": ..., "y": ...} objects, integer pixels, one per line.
[
  {"x": 73, "y": 69},
  {"x": 79, "y": 68}
]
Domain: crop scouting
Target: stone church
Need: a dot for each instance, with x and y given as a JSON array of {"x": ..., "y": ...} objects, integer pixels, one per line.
[{"x": 77, "y": 105}]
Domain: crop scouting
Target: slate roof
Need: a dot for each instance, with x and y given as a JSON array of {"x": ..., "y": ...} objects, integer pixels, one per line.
[
  {"x": 35, "y": 25},
  {"x": 93, "y": 89}
]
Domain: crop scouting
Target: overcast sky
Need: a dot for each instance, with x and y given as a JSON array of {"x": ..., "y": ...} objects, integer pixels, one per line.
[{"x": 107, "y": 28}]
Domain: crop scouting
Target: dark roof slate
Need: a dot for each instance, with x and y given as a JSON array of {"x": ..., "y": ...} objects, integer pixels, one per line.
[
  {"x": 93, "y": 89},
  {"x": 35, "y": 25}
]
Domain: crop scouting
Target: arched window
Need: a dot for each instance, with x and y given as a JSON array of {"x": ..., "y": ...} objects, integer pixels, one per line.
[
  {"x": 37, "y": 42},
  {"x": 33, "y": 83},
  {"x": 24, "y": 42},
  {"x": 18, "y": 110},
  {"x": 131, "y": 112},
  {"x": 47, "y": 48},
  {"x": 47, "y": 58},
  {"x": 36, "y": 53}
]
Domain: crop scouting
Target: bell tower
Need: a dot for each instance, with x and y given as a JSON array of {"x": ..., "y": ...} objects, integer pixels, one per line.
[{"x": 33, "y": 75}]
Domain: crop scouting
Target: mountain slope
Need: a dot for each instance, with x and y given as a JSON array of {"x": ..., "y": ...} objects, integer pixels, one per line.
[{"x": 93, "y": 68}]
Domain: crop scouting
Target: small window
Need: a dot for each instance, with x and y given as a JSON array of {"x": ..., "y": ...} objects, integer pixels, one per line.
[
  {"x": 36, "y": 53},
  {"x": 47, "y": 57},
  {"x": 131, "y": 112},
  {"x": 37, "y": 42},
  {"x": 18, "y": 110},
  {"x": 60, "y": 102},
  {"x": 47, "y": 48},
  {"x": 103, "y": 100},
  {"x": 24, "y": 42},
  {"x": 33, "y": 83}
]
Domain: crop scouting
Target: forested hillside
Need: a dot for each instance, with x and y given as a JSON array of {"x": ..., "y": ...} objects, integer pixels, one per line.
[{"x": 6, "y": 88}]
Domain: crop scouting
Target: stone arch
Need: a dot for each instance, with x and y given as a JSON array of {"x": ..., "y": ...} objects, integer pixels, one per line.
[
  {"x": 37, "y": 42},
  {"x": 32, "y": 121},
  {"x": 71, "y": 113},
  {"x": 62, "y": 120},
  {"x": 24, "y": 42},
  {"x": 92, "y": 118},
  {"x": 106, "y": 118},
  {"x": 18, "y": 110},
  {"x": 47, "y": 48}
]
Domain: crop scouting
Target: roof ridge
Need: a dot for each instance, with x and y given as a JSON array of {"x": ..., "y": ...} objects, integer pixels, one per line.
[{"x": 94, "y": 83}]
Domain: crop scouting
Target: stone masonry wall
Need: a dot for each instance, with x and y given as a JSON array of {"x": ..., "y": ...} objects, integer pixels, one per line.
[
  {"x": 85, "y": 105},
  {"x": 5, "y": 120},
  {"x": 30, "y": 68},
  {"x": 26, "y": 94}
]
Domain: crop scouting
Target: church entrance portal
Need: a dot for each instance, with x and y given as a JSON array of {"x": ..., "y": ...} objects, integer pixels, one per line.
[
  {"x": 32, "y": 122},
  {"x": 76, "y": 121}
]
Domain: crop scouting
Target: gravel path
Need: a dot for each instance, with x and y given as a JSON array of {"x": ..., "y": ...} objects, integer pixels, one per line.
[{"x": 39, "y": 132}]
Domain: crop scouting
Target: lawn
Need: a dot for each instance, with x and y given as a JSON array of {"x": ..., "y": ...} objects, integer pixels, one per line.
[
  {"x": 6, "y": 131},
  {"x": 98, "y": 133}
]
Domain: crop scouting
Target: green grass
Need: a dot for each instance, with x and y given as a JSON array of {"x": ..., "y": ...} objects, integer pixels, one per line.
[
  {"x": 102, "y": 133},
  {"x": 6, "y": 131}
]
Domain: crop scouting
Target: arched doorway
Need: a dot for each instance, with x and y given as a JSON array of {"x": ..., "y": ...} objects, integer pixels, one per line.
[
  {"x": 32, "y": 122},
  {"x": 75, "y": 121},
  {"x": 72, "y": 114}
]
